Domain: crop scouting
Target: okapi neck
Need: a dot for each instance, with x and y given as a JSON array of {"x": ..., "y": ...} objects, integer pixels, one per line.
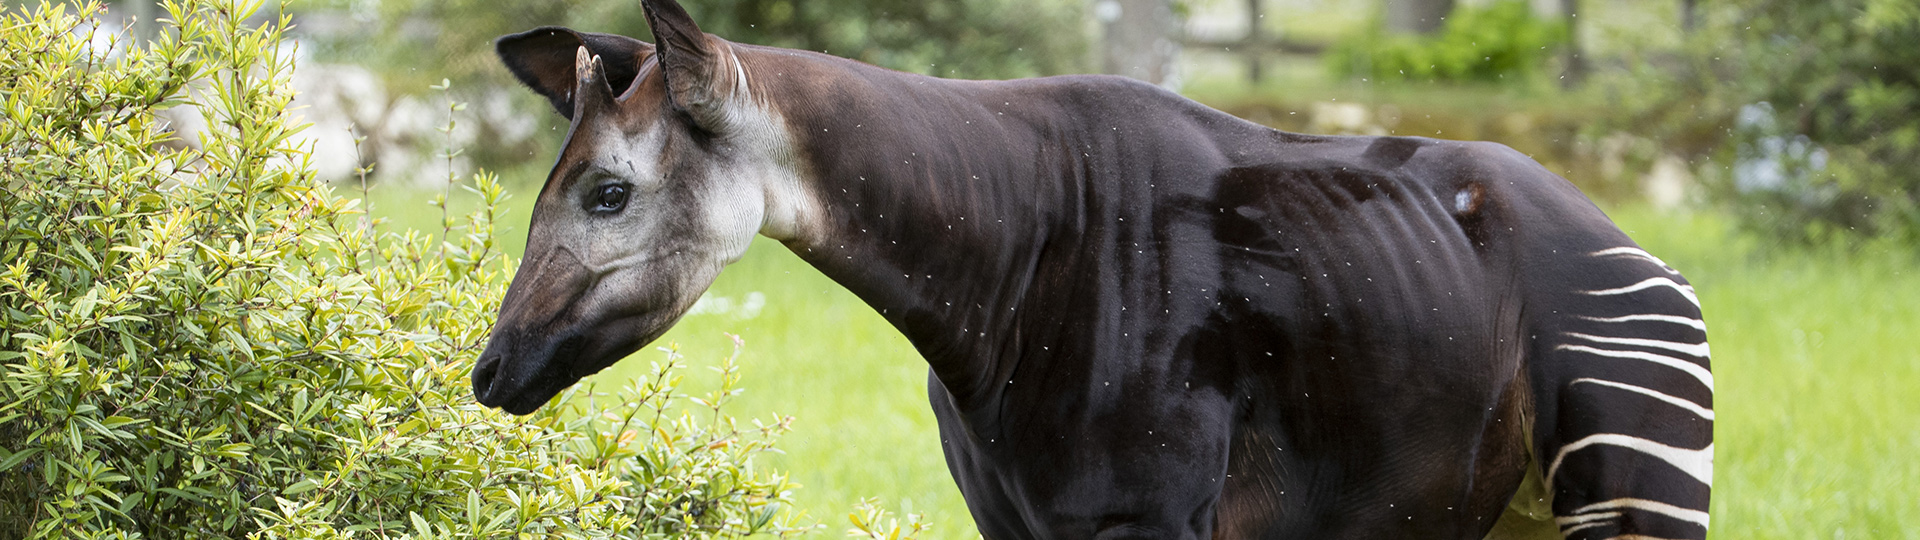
[{"x": 941, "y": 198}]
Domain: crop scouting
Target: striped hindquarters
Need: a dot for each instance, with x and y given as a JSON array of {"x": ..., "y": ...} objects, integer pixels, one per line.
[{"x": 1629, "y": 452}]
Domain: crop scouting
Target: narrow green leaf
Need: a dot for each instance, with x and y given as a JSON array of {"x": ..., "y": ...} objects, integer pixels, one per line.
[{"x": 303, "y": 486}]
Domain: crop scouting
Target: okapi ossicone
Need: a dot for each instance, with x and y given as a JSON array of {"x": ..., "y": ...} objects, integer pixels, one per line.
[{"x": 1144, "y": 318}]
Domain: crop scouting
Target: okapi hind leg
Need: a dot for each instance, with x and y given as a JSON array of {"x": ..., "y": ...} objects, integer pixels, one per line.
[{"x": 1626, "y": 425}]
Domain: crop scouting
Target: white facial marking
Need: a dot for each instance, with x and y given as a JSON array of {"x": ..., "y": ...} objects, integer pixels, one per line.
[
  {"x": 770, "y": 166},
  {"x": 751, "y": 184},
  {"x": 739, "y": 73}
]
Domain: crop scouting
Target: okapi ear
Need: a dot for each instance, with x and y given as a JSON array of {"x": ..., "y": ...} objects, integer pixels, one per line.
[
  {"x": 544, "y": 59},
  {"x": 689, "y": 61}
]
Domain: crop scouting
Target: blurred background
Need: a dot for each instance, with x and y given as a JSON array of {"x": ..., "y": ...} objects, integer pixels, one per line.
[{"x": 1769, "y": 149}]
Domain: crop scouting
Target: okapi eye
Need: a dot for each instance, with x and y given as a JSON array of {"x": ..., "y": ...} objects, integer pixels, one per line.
[{"x": 610, "y": 198}]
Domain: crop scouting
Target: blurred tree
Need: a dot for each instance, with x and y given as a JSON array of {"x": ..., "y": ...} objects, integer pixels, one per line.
[
  {"x": 1415, "y": 16},
  {"x": 1138, "y": 39},
  {"x": 948, "y": 38},
  {"x": 413, "y": 44},
  {"x": 1846, "y": 74},
  {"x": 1576, "y": 61},
  {"x": 1809, "y": 110},
  {"x": 1813, "y": 109},
  {"x": 417, "y": 42}
]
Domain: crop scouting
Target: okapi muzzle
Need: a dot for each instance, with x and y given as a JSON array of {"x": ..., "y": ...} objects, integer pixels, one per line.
[
  {"x": 562, "y": 321},
  {"x": 537, "y": 329}
]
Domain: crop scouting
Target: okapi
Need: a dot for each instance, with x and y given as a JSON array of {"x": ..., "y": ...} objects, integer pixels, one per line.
[{"x": 1144, "y": 318}]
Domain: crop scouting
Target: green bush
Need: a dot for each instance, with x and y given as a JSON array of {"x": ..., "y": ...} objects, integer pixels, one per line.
[
  {"x": 207, "y": 343},
  {"x": 1809, "y": 112},
  {"x": 1845, "y": 75},
  {"x": 1499, "y": 41}
]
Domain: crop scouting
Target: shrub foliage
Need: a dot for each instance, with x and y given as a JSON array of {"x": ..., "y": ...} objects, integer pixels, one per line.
[
  {"x": 1845, "y": 76},
  {"x": 1488, "y": 43},
  {"x": 1809, "y": 111},
  {"x": 200, "y": 341}
]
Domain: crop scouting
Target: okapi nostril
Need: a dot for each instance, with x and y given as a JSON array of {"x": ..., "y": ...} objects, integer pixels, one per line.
[{"x": 483, "y": 373}]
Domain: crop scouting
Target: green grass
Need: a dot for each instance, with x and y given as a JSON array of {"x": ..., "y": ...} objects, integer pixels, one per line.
[{"x": 1815, "y": 356}]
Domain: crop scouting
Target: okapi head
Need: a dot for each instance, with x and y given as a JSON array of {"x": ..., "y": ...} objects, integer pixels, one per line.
[{"x": 670, "y": 168}]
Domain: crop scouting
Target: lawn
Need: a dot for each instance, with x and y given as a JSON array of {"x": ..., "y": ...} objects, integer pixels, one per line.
[
  {"x": 1816, "y": 361},
  {"x": 1816, "y": 358}
]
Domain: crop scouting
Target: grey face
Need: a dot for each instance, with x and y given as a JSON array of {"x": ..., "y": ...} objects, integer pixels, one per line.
[{"x": 654, "y": 192}]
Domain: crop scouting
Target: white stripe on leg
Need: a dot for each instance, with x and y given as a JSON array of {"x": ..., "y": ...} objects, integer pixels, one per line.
[
  {"x": 1696, "y": 323},
  {"x": 1638, "y": 254},
  {"x": 1696, "y": 463},
  {"x": 1694, "y": 349},
  {"x": 1657, "y": 507},
  {"x": 1705, "y": 377},
  {"x": 1696, "y": 409},
  {"x": 1684, "y": 290}
]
